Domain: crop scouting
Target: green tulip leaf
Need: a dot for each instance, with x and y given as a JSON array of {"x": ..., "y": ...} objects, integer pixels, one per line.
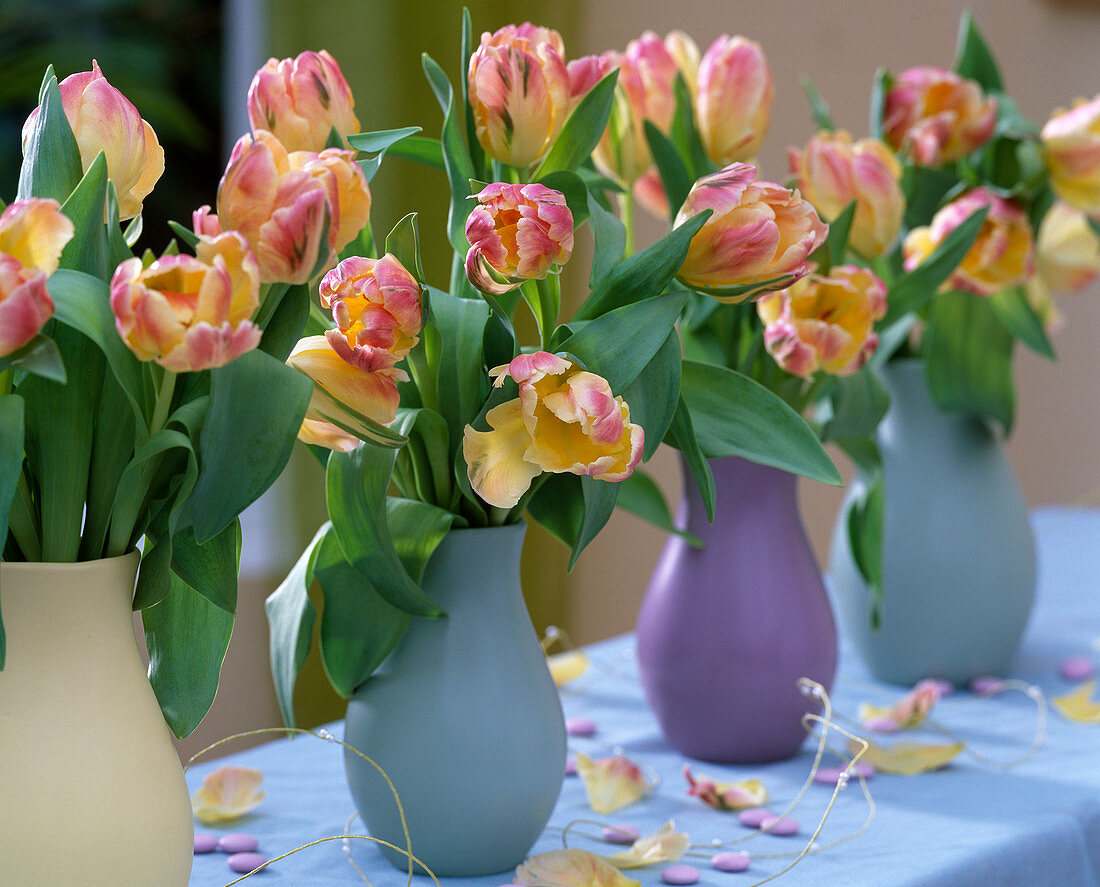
[
  {"x": 558, "y": 506},
  {"x": 645, "y": 273},
  {"x": 461, "y": 375},
  {"x": 582, "y": 130},
  {"x": 420, "y": 149},
  {"x": 359, "y": 627},
  {"x": 610, "y": 238},
  {"x": 11, "y": 465},
  {"x": 1019, "y": 318},
  {"x": 734, "y": 415},
  {"x": 85, "y": 207},
  {"x": 600, "y": 497},
  {"x": 973, "y": 58},
  {"x": 640, "y": 495},
  {"x": 654, "y": 394},
  {"x": 246, "y": 439},
  {"x": 355, "y": 485},
  {"x": 39, "y": 357},
  {"x": 960, "y": 376},
  {"x": 859, "y": 402},
  {"x": 290, "y": 618},
  {"x": 187, "y": 637},
  {"x": 403, "y": 243},
  {"x": 210, "y": 569},
  {"x": 674, "y": 174},
  {"x": 618, "y": 345},
  {"x": 51, "y": 157},
  {"x": 456, "y": 156},
  {"x": 681, "y": 435},
  {"x": 823, "y": 117}
]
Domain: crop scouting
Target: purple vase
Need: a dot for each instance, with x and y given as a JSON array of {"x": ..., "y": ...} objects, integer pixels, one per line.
[{"x": 726, "y": 631}]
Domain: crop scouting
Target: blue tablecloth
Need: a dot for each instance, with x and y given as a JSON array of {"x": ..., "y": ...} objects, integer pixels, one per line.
[{"x": 972, "y": 824}]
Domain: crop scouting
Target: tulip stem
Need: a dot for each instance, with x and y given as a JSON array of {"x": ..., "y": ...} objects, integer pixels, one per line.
[
  {"x": 163, "y": 403},
  {"x": 5, "y": 382},
  {"x": 626, "y": 213}
]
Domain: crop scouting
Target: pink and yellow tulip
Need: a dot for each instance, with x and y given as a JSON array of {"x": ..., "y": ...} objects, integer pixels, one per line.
[
  {"x": 370, "y": 392},
  {"x": 33, "y": 232},
  {"x": 302, "y": 100},
  {"x": 644, "y": 92},
  {"x": 103, "y": 119},
  {"x": 832, "y": 172},
  {"x": 936, "y": 116},
  {"x": 283, "y": 203},
  {"x": 517, "y": 233},
  {"x": 190, "y": 313},
  {"x": 564, "y": 420},
  {"x": 733, "y": 105},
  {"x": 1072, "y": 141},
  {"x": 1067, "y": 250},
  {"x": 824, "y": 323},
  {"x": 519, "y": 92},
  {"x": 759, "y": 237},
  {"x": 726, "y": 795},
  {"x": 1003, "y": 254},
  {"x": 376, "y": 306}
]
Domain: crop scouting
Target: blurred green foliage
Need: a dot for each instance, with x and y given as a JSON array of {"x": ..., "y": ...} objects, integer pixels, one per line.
[{"x": 164, "y": 55}]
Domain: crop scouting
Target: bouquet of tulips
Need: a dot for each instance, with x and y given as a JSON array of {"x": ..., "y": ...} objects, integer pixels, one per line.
[
  {"x": 972, "y": 217},
  {"x": 464, "y": 424},
  {"x": 136, "y": 401}
]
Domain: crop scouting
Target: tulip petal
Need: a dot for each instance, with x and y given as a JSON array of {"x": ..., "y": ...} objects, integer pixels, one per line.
[
  {"x": 908, "y": 757},
  {"x": 1078, "y": 705},
  {"x": 664, "y": 845},
  {"x": 567, "y": 666},
  {"x": 498, "y": 469},
  {"x": 226, "y": 794},
  {"x": 611, "y": 783},
  {"x": 570, "y": 868}
]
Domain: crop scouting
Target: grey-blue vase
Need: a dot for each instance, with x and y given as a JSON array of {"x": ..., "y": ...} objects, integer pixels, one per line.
[
  {"x": 958, "y": 555},
  {"x": 464, "y": 718}
]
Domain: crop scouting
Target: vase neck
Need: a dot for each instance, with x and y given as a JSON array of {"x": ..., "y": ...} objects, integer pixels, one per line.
[
  {"x": 738, "y": 484},
  {"x": 476, "y": 567},
  {"x": 911, "y": 403}
]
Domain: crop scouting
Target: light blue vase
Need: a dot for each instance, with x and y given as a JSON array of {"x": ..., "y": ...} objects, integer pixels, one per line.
[
  {"x": 464, "y": 718},
  {"x": 958, "y": 554}
]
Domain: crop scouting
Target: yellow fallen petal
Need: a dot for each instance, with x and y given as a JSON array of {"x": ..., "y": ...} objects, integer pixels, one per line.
[
  {"x": 908, "y": 757},
  {"x": 226, "y": 794},
  {"x": 570, "y": 868},
  {"x": 567, "y": 666},
  {"x": 664, "y": 845},
  {"x": 1078, "y": 705},
  {"x": 611, "y": 783}
]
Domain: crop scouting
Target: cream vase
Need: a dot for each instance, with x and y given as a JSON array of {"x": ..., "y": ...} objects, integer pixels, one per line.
[{"x": 91, "y": 788}]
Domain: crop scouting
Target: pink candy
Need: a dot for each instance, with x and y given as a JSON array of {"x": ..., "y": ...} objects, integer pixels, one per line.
[{"x": 1076, "y": 668}]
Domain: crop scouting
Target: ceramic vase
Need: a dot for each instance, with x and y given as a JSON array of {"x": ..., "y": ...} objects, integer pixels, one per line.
[
  {"x": 725, "y": 632},
  {"x": 958, "y": 555},
  {"x": 464, "y": 718},
  {"x": 91, "y": 787}
]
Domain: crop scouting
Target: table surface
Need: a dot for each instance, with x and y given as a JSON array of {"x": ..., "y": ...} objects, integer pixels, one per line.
[{"x": 1037, "y": 823}]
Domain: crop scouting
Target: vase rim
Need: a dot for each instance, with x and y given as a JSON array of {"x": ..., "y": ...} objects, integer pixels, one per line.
[
  {"x": 22, "y": 566},
  {"x": 513, "y": 527}
]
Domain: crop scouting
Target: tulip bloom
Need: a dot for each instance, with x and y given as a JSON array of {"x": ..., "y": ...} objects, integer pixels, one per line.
[
  {"x": 368, "y": 387},
  {"x": 759, "y": 238},
  {"x": 1067, "y": 250},
  {"x": 824, "y": 323},
  {"x": 832, "y": 172},
  {"x": 1072, "y": 141},
  {"x": 733, "y": 106},
  {"x": 937, "y": 116},
  {"x": 301, "y": 100},
  {"x": 517, "y": 233},
  {"x": 1002, "y": 256},
  {"x": 376, "y": 306},
  {"x": 33, "y": 232},
  {"x": 647, "y": 71},
  {"x": 190, "y": 313},
  {"x": 519, "y": 92},
  {"x": 103, "y": 119},
  {"x": 565, "y": 419},
  {"x": 281, "y": 202}
]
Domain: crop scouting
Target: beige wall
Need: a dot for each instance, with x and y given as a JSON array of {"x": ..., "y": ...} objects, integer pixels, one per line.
[{"x": 1048, "y": 55}]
